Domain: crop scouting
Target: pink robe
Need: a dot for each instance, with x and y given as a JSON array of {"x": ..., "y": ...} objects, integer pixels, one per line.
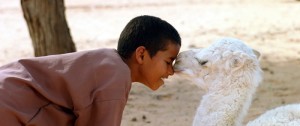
[{"x": 87, "y": 88}]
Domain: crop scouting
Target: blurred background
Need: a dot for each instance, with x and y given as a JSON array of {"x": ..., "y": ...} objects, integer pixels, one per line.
[{"x": 270, "y": 26}]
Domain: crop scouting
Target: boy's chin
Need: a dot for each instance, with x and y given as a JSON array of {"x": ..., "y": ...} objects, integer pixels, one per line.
[{"x": 156, "y": 85}]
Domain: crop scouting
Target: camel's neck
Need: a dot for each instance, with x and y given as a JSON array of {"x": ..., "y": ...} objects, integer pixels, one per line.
[{"x": 226, "y": 102}]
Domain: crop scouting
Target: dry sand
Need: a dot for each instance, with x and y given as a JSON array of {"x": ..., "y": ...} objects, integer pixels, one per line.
[{"x": 271, "y": 27}]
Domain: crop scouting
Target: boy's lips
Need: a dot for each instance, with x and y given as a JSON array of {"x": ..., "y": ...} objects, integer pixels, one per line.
[{"x": 164, "y": 78}]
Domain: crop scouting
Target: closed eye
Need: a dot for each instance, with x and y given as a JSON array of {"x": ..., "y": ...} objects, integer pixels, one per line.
[
  {"x": 169, "y": 63},
  {"x": 203, "y": 62}
]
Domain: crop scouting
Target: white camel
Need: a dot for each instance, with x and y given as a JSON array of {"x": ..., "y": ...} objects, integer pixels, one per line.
[{"x": 229, "y": 72}]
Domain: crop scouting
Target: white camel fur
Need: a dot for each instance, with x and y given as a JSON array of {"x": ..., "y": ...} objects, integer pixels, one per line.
[{"x": 229, "y": 72}]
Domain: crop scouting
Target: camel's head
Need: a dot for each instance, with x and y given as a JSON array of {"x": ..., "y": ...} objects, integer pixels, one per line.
[{"x": 223, "y": 58}]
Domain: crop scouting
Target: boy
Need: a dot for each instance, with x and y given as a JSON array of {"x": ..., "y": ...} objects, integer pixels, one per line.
[{"x": 88, "y": 88}]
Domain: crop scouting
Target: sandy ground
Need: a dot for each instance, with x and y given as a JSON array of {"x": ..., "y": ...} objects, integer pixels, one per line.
[{"x": 271, "y": 27}]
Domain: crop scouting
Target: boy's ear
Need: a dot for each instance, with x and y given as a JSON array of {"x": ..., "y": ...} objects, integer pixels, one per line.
[{"x": 139, "y": 54}]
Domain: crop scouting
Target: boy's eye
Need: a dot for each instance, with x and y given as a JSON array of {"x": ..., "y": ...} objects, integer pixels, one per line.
[{"x": 169, "y": 63}]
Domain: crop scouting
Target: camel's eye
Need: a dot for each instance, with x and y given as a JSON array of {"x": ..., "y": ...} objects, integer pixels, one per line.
[{"x": 203, "y": 62}]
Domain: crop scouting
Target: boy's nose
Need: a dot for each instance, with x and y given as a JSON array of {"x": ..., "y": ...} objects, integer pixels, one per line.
[{"x": 171, "y": 71}]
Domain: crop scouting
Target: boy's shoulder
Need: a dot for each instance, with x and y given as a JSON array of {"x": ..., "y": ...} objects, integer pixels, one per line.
[
  {"x": 107, "y": 54},
  {"x": 110, "y": 58}
]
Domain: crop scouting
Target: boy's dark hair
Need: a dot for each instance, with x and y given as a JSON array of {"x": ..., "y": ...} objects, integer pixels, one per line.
[{"x": 148, "y": 31}]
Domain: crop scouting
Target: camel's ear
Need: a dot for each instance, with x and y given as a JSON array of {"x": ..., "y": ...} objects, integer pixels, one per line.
[{"x": 256, "y": 53}]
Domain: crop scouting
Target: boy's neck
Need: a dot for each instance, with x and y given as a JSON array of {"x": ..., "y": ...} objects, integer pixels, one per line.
[{"x": 133, "y": 69}]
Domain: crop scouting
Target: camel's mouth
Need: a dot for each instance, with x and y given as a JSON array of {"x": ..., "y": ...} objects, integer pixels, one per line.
[
  {"x": 186, "y": 72},
  {"x": 178, "y": 70},
  {"x": 181, "y": 70}
]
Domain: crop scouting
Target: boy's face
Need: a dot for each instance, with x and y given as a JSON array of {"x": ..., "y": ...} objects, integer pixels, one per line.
[{"x": 159, "y": 67}]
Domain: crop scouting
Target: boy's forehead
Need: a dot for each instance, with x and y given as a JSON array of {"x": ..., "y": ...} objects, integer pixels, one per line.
[{"x": 172, "y": 50}]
